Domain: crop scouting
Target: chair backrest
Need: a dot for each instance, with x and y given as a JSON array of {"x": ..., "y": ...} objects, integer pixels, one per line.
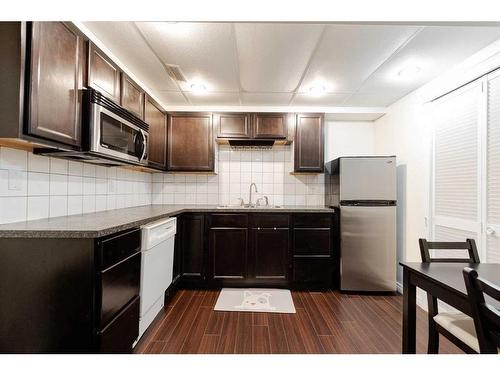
[
  {"x": 469, "y": 245},
  {"x": 486, "y": 317}
]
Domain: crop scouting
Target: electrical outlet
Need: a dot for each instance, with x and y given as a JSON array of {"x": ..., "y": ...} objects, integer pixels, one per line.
[{"x": 15, "y": 180}]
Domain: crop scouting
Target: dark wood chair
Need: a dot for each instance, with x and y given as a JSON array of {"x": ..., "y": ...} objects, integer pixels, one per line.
[
  {"x": 446, "y": 323},
  {"x": 486, "y": 317}
]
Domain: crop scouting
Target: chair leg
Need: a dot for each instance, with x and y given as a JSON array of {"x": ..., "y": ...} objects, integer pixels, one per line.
[{"x": 433, "y": 343}]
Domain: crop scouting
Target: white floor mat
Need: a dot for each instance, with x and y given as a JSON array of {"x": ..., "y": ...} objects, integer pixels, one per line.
[{"x": 255, "y": 299}]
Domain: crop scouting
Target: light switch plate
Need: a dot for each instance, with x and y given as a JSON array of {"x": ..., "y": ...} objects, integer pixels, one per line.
[{"x": 15, "y": 180}]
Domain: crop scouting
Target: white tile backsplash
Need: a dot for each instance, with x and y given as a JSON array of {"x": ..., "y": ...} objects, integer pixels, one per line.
[{"x": 37, "y": 187}]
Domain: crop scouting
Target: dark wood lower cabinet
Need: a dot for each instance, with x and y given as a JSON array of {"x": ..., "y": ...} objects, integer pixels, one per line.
[
  {"x": 270, "y": 253},
  {"x": 228, "y": 253},
  {"x": 192, "y": 233}
]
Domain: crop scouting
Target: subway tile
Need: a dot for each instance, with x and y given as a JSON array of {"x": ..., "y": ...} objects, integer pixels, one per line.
[
  {"x": 212, "y": 198},
  {"x": 38, "y": 163},
  {"x": 38, "y": 184},
  {"x": 75, "y": 204},
  {"x": 100, "y": 172},
  {"x": 289, "y": 189},
  {"x": 267, "y": 178},
  {"x": 12, "y": 209},
  {"x": 111, "y": 186},
  {"x": 75, "y": 168},
  {"x": 88, "y": 204},
  {"x": 111, "y": 202},
  {"x": 234, "y": 167},
  {"x": 245, "y": 166},
  {"x": 75, "y": 185},
  {"x": 190, "y": 188},
  {"x": 59, "y": 166},
  {"x": 168, "y": 198},
  {"x": 235, "y": 155},
  {"x": 267, "y": 155},
  {"x": 202, "y": 188},
  {"x": 112, "y": 172},
  {"x": 13, "y": 159},
  {"x": 190, "y": 178},
  {"x": 101, "y": 186},
  {"x": 89, "y": 170},
  {"x": 157, "y": 198},
  {"x": 58, "y": 184},
  {"x": 267, "y": 167},
  {"x": 300, "y": 200},
  {"x": 38, "y": 208},
  {"x": 180, "y": 198},
  {"x": 58, "y": 205},
  {"x": 201, "y": 199},
  {"x": 201, "y": 178},
  {"x": 157, "y": 187},
  {"x": 88, "y": 186},
  {"x": 179, "y": 178},
  {"x": 100, "y": 202},
  {"x": 168, "y": 178}
]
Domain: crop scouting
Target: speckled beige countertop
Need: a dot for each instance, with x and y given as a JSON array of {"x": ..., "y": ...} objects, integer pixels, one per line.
[{"x": 107, "y": 222}]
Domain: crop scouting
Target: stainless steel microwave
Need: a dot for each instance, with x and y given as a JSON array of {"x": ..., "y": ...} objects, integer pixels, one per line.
[{"x": 111, "y": 135}]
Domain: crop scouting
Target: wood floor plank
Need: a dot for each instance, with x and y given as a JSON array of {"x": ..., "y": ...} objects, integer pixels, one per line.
[
  {"x": 227, "y": 341},
  {"x": 277, "y": 337},
  {"x": 173, "y": 317},
  {"x": 260, "y": 319},
  {"x": 316, "y": 316},
  {"x": 260, "y": 340},
  {"x": 193, "y": 340},
  {"x": 208, "y": 344},
  {"x": 215, "y": 321},
  {"x": 210, "y": 298},
  {"x": 244, "y": 337}
]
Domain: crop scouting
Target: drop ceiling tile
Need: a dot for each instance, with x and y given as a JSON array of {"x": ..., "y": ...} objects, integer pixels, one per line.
[
  {"x": 171, "y": 98},
  {"x": 255, "y": 98},
  {"x": 373, "y": 100},
  {"x": 348, "y": 54},
  {"x": 205, "y": 52},
  {"x": 214, "y": 98},
  {"x": 126, "y": 43},
  {"x": 327, "y": 100},
  {"x": 273, "y": 56},
  {"x": 434, "y": 50}
]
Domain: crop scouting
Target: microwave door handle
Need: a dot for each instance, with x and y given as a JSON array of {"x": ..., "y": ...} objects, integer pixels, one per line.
[{"x": 144, "y": 148}]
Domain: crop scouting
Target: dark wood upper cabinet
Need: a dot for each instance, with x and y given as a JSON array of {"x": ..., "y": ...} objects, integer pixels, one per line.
[
  {"x": 157, "y": 141},
  {"x": 132, "y": 96},
  {"x": 270, "y": 125},
  {"x": 56, "y": 82},
  {"x": 232, "y": 125},
  {"x": 190, "y": 142},
  {"x": 104, "y": 74},
  {"x": 309, "y": 143}
]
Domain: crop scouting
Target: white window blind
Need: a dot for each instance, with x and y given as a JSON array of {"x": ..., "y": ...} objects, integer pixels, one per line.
[
  {"x": 493, "y": 170},
  {"x": 456, "y": 187}
]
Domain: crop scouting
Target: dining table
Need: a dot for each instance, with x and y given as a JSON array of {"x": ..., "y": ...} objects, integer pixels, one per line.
[{"x": 444, "y": 281}]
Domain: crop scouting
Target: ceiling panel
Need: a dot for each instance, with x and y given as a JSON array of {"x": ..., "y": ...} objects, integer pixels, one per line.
[
  {"x": 348, "y": 54},
  {"x": 382, "y": 99},
  {"x": 333, "y": 100},
  {"x": 171, "y": 98},
  {"x": 257, "y": 98},
  {"x": 273, "y": 56},
  {"x": 205, "y": 52},
  {"x": 434, "y": 50},
  {"x": 125, "y": 42},
  {"x": 214, "y": 98}
]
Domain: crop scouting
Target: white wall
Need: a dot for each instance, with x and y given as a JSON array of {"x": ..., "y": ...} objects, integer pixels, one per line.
[{"x": 349, "y": 138}]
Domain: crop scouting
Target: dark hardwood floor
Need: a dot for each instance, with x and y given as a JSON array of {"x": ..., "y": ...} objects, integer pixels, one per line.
[{"x": 325, "y": 322}]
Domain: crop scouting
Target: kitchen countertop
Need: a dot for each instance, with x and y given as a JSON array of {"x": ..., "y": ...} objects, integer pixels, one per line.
[{"x": 108, "y": 222}]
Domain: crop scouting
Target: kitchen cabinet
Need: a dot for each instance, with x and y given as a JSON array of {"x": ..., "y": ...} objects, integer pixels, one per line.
[
  {"x": 132, "y": 96},
  {"x": 309, "y": 143},
  {"x": 233, "y": 125},
  {"x": 104, "y": 74},
  {"x": 57, "y": 75},
  {"x": 192, "y": 233},
  {"x": 190, "y": 142},
  {"x": 228, "y": 246},
  {"x": 157, "y": 141},
  {"x": 270, "y": 125}
]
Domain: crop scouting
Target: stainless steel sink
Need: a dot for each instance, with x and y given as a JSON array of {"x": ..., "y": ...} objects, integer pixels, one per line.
[{"x": 228, "y": 207}]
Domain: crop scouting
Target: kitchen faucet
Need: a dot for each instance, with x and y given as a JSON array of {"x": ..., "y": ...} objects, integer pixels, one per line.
[{"x": 250, "y": 204}]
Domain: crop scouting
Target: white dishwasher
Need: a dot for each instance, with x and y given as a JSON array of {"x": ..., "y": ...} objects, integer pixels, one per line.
[{"x": 157, "y": 248}]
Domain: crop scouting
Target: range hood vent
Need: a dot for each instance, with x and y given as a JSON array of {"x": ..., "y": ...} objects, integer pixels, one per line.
[{"x": 251, "y": 144}]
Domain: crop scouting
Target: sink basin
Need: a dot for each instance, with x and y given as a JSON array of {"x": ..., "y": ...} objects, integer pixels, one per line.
[{"x": 228, "y": 207}]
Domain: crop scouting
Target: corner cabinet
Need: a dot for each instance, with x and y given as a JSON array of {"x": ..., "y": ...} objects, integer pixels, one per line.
[
  {"x": 190, "y": 142},
  {"x": 57, "y": 67},
  {"x": 157, "y": 140},
  {"x": 309, "y": 143}
]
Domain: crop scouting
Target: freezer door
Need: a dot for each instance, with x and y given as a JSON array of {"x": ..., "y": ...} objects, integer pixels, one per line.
[
  {"x": 368, "y": 248},
  {"x": 368, "y": 179}
]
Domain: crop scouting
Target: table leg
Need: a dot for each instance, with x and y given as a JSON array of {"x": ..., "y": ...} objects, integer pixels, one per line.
[{"x": 409, "y": 314}]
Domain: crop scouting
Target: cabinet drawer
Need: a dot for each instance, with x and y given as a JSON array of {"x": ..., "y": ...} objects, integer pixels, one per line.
[
  {"x": 119, "y": 335},
  {"x": 269, "y": 221},
  {"x": 312, "y": 241},
  {"x": 313, "y": 220},
  {"x": 229, "y": 220},
  {"x": 117, "y": 247},
  {"x": 119, "y": 285}
]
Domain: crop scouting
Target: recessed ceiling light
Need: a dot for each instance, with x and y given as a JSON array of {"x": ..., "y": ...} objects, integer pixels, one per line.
[
  {"x": 409, "y": 71},
  {"x": 317, "y": 90},
  {"x": 198, "y": 87}
]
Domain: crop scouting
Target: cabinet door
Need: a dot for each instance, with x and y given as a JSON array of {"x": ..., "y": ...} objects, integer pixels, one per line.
[
  {"x": 132, "y": 96},
  {"x": 232, "y": 125},
  {"x": 57, "y": 76},
  {"x": 190, "y": 142},
  {"x": 270, "y": 125},
  {"x": 309, "y": 143},
  {"x": 192, "y": 229},
  {"x": 228, "y": 253},
  {"x": 104, "y": 74},
  {"x": 157, "y": 141},
  {"x": 270, "y": 255}
]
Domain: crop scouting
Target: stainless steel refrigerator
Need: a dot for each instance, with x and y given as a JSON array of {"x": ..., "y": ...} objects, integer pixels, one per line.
[{"x": 364, "y": 188}]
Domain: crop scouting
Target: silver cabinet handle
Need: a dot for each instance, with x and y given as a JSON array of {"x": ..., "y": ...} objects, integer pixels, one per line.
[{"x": 274, "y": 228}]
